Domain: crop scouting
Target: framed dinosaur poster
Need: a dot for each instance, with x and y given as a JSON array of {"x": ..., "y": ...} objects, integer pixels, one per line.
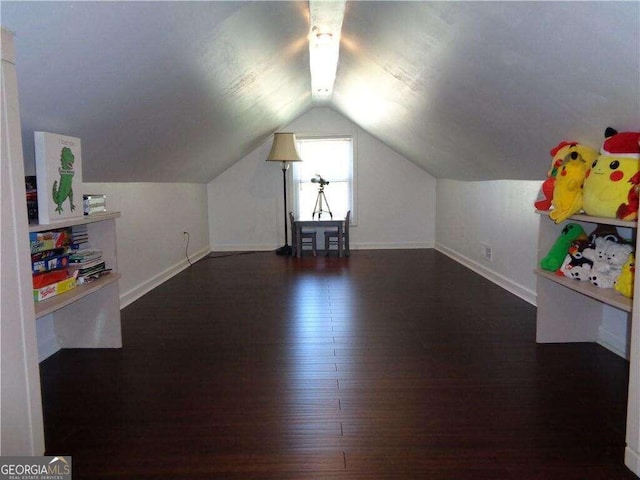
[{"x": 58, "y": 177}]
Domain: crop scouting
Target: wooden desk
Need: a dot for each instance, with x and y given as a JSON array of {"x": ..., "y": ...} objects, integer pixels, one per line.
[{"x": 324, "y": 224}]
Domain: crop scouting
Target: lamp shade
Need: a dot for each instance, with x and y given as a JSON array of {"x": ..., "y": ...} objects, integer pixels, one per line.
[{"x": 284, "y": 148}]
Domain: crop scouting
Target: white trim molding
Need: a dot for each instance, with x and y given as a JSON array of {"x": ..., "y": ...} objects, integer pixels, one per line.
[
  {"x": 521, "y": 291},
  {"x": 135, "y": 293}
]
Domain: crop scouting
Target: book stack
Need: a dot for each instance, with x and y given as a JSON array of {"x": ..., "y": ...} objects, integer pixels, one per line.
[
  {"x": 49, "y": 263},
  {"x": 79, "y": 237},
  {"x": 94, "y": 203},
  {"x": 84, "y": 260}
]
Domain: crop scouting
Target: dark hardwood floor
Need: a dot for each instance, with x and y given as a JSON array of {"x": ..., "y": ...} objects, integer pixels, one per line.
[{"x": 397, "y": 364}]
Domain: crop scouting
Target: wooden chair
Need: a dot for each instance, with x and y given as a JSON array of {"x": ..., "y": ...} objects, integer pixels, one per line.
[
  {"x": 331, "y": 237},
  {"x": 307, "y": 238}
]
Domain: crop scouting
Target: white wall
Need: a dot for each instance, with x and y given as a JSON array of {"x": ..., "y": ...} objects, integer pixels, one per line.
[
  {"x": 395, "y": 199},
  {"x": 499, "y": 214},
  {"x": 151, "y": 246},
  {"x": 245, "y": 204}
]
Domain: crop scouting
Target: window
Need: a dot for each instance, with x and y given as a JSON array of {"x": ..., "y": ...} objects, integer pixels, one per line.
[{"x": 332, "y": 159}]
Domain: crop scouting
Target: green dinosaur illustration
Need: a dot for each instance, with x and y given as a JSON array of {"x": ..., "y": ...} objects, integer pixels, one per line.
[{"x": 65, "y": 190}]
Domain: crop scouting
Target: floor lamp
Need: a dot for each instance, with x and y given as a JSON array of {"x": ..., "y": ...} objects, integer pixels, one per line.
[{"x": 284, "y": 150}]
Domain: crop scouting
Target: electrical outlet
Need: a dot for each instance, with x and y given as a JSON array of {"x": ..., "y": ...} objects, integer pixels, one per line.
[{"x": 486, "y": 251}]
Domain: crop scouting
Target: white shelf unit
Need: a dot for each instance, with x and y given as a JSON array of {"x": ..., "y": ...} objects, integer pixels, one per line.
[
  {"x": 87, "y": 316},
  {"x": 573, "y": 311},
  {"x": 570, "y": 310}
]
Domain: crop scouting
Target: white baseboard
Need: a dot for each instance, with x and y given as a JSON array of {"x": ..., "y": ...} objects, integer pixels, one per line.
[
  {"x": 389, "y": 245},
  {"x": 354, "y": 246},
  {"x": 521, "y": 291},
  {"x": 632, "y": 460},
  {"x": 135, "y": 293},
  {"x": 246, "y": 247}
]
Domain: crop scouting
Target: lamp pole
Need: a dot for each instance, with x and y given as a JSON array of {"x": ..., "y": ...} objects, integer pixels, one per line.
[
  {"x": 285, "y": 249},
  {"x": 284, "y": 150}
]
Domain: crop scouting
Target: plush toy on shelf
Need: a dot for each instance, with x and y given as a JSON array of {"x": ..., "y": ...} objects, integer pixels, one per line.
[
  {"x": 557, "y": 253},
  {"x": 608, "y": 232},
  {"x": 629, "y": 211},
  {"x": 545, "y": 195},
  {"x": 624, "y": 283},
  {"x": 607, "y": 265},
  {"x": 611, "y": 182},
  {"x": 567, "y": 191},
  {"x": 577, "y": 264}
]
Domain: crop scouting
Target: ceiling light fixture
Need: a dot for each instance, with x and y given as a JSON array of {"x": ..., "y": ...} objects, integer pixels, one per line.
[
  {"x": 324, "y": 45},
  {"x": 324, "y": 37}
]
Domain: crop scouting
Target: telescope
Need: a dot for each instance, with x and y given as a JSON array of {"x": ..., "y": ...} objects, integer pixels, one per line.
[
  {"x": 320, "y": 180},
  {"x": 321, "y": 197}
]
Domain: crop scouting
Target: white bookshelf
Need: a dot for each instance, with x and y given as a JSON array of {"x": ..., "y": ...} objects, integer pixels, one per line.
[
  {"x": 88, "y": 316},
  {"x": 608, "y": 296}
]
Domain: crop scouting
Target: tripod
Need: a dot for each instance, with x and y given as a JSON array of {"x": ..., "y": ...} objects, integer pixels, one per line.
[{"x": 318, "y": 207}]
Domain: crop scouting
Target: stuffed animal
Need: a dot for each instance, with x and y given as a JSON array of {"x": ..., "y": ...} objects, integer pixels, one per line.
[
  {"x": 610, "y": 185},
  {"x": 554, "y": 258},
  {"x": 609, "y": 259},
  {"x": 624, "y": 283},
  {"x": 576, "y": 265},
  {"x": 600, "y": 268},
  {"x": 608, "y": 232},
  {"x": 545, "y": 195},
  {"x": 629, "y": 211},
  {"x": 567, "y": 192}
]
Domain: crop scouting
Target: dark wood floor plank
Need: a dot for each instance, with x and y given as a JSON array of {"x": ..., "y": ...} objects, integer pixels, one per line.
[{"x": 385, "y": 365}]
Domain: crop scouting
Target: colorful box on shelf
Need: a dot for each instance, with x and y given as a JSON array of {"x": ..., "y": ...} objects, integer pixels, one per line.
[
  {"x": 54, "y": 289},
  {"x": 41, "y": 241},
  {"x": 50, "y": 263},
  {"x": 45, "y": 279}
]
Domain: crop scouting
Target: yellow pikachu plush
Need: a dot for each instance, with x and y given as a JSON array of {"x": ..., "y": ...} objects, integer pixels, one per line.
[
  {"x": 545, "y": 195},
  {"x": 624, "y": 283},
  {"x": 610, "y": 185},
  {"x": 567, "y": 191}
]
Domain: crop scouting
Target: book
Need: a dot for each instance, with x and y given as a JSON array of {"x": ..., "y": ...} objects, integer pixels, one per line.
[
  {"x": 83, "y": 252},
  {"x": 84, "y": 256},
  {"x": 58, "y": 177},
  {"x": 79, "y": 244},
  {"x": 94, "y": 276},
  {"x": 85, "y": 265},
  {"x": 92, "y": 270}
]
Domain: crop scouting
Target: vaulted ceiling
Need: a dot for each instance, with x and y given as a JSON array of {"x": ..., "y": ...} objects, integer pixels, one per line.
[{"x": 179, "y": 91}]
